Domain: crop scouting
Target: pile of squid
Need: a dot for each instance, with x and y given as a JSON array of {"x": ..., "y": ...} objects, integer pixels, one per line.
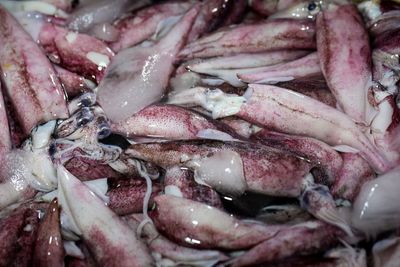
[{"x": 200, "y": 133}]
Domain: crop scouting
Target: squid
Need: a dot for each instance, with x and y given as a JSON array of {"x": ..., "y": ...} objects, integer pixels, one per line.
[
  {"x": 169, "y": 122},
  {"x": 181, "y": 183},
  {"x": 29, "y": 79},
  {"x": 300, "y": 68},
  {"x": 127, "y": 199},
  {"x": 210, "y": 16},
  {"x": 345, "y": 60},
  {"x": 166, "y": 251},
  {"x": 229, "y": 167},
  {"x": 141, "y": 71},
  {"x": 330, "y": 160},
  {"x": 18, "y": 233},
  {"x": 198, "y": 225},
  {"x": 103, "y": 232},
  {"x": 259, "y": 37},
  {"x": 232, "y": 168},
  {"x": 49, "y": 250},
  {"x": 76, "y": 52},
  {"x": 302, "y": 239},
  {"x": 274, "y": 107},
  {"x": 354, "y": 173},
  {"x": 146, "y": 22},
  {"x": 73, "y": 83}
]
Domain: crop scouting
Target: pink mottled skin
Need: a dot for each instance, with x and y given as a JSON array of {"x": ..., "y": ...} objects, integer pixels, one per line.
[
  {"x": 142, "y": 71},
  {"x": 266, "y": 170},
  {"x": 184, "y": 180},
  {"x": 109, "y": 239},
  {"x": 300, "y": 68},
  {"x": 258, "y": 37},
  {"x": 21, "y": 248},
  {"x": 86, "y": 169},
  {"x": 49, "y": 249},
  {"x": 307, "y": 238},
  {"x": 345, "y": 56},
  {"x": 322, "y": 154},
  {"x": 164, "y": 121},
  {"x": 274, "y": 108},
  {"x": 197, "y": 225},
  {"x": 29, "y": 79},
  {"x": 142, "y": 24},
  {"x": 169, "y": 249},
  {"x": 72, "y": 54},
  {"x": 314, "y": 87},
  {"x": 9, "y": 230},
  {"x": 354, "y": 173},
  {"x": 128, "y": 199},
  {"x": 72, "y": 83}
]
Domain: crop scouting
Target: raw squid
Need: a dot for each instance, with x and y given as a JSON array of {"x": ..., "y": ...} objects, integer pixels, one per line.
[
  {"x": 141, "y": 71},
  {"x": 49, "y": 250},
  {"x": 104, "y": 233},
  {"x": 145, "y": 22},
  {"x": 29, "y": 78},
  {"x": 76, "y": 52},
  {"x": 345, "y": 59},
  {"x": 300, "y": 68},
  {"x": 299, "y": 239},
  {"x": 274, "y": 107},
  {"x": 201, "y": 226},
  {"x": 259, "y": 37},
  {"x": 138, "y": 133},
  {"x": 168, "y": 122}
]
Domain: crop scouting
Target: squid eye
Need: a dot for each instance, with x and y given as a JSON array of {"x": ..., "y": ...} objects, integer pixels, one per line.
[{"x": 313, "y": 8}]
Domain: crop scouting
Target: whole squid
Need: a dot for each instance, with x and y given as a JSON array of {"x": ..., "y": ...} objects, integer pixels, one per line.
[
  {"x": 201, "y": 226},
  {"x": 275, "y": 107},
  {"x": 258, "y": 37},
  {"x": 345, "y": 59},
  {"x": 104, "y": 233}
]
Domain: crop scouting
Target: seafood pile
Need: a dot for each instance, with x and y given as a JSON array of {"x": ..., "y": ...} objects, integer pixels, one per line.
[{"x": 199, "y": 133}]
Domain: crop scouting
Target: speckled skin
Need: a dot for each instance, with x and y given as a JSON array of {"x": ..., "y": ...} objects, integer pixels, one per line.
[
  {"x": 345, "y": 58},
  {"x": 267, "y": 170},
  {"x": 18, "y": 235},
  {"x": 185, "y": 221},
  {"x": 126, "y": 199},
  {"x": 297, "y": 240},
  {"x": 264, "y": 36},
  {"x": 183, "y": 179},
  {"x": 354, "y": 173},
  {"x": 72, "y": 55},
  {"x": 322, "y": 154},
  {"x": 164, "y": 121},
  {"x": 29, "y": 78},
  {"x": 139, "y": 27}
]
